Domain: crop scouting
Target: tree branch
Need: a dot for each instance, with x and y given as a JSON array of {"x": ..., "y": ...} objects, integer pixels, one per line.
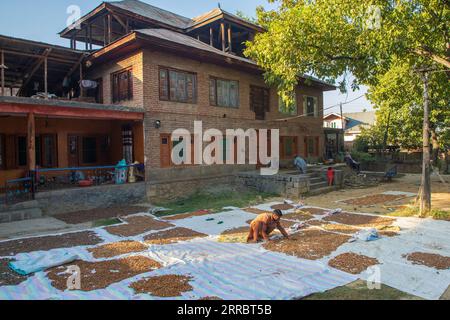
[{"x": 429, "y": 54}]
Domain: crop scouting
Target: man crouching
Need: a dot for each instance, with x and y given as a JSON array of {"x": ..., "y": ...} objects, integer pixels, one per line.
[{"x": 263, "y": 226}]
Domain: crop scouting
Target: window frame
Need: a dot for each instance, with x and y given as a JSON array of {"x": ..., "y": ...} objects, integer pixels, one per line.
[
  {"x": 216, "y": 102},
  {"x": 2, "y": 151},
  {"x": 42, "y": 150},
  {"x": 81, "y": 156},
  {"x": 266, "y": 102},
  {"x": 17, "y": 150},
  {"x": 168, "y": 97},
  {"x": 117, "y": 98},
  {"x": 316, "y": 106},
  {"x": 283, "y": 155},
  {"x": 281, "y": 103}
]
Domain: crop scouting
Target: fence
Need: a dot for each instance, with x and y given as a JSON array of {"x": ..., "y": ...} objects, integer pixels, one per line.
[{"x": 41, "y": 180}]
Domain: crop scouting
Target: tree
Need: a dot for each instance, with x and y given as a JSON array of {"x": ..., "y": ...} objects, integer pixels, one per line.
[
  {"x": 329, "y": 38},
  {"x": 397, "y": 97}
]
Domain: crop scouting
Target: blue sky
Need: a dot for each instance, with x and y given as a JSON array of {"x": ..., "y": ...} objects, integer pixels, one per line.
[{"x": 42, "y": 20}]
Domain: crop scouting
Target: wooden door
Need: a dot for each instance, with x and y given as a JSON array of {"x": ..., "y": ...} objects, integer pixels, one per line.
[
  {"x": 165, "y": 150},
  {"x": 73, "y": 145}
]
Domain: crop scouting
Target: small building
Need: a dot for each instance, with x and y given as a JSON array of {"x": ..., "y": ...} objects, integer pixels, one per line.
[
  {"x": 141, "y": 73},
  {"x": 352, "y": 122}
]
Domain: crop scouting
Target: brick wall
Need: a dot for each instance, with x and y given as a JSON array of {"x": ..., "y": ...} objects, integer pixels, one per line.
[
  {"x": 175, "y": 115},
  {"x": 104, "y": 71}
]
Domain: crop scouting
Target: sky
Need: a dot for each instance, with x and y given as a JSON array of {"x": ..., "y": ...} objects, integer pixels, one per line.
[{"x": 42, "y": 20}]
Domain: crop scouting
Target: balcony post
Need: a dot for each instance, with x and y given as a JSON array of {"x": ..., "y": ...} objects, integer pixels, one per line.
[{"x": 31, "y": 142}]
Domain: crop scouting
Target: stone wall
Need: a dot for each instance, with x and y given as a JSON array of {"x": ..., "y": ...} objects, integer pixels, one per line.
[
  {"x": 174, "y": 190},
  {"x": 71, "y": 200},
  {"x": 289, "y": 186}
]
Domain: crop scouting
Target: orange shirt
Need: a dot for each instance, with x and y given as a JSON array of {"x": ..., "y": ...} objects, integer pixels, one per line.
[{"x": 267, "y": 220}]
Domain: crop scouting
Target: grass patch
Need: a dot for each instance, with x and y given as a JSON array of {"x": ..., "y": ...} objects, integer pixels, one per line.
[
  {"x": 412, "y": 211},
  {"x": 105, "y": 222},
  {"x": 358, "y": 290},
  {"x": 215, "y": 202}
]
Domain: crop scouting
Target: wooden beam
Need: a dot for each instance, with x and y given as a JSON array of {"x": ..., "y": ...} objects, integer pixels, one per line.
[
  {"x": 31, "y": 55},
  {"x": 31, "y": 141},
  {"x": 211, "y": 36},
  {"x": 50, "y": 108},
  {"x": 90, "y": 36},
  {"x": 121, "y": 22},
  {"x": 222, "y": 34},
  {"x": 3, "y": 66},
  {"x": 105, "y": 33},
  {"x": 109, "y": 28},
  {"x": 74, "y": 67},
  {"x": 34, "y": 69},
  {"x": 46, "y": 77},
  {"x": 230, "y": 45},
  {"x": 81, "y": 79}
]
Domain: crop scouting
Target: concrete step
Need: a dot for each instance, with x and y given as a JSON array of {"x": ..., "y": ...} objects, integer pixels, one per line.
[
  {"x": 318, "y": 185},
  {"x": 21, "y": 211},
  {"x": 315, "y": 192},
  {"x": 316, "y": 180}
]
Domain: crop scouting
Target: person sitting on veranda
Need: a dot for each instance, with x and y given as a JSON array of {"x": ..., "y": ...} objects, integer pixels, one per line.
[
  {"x": 352, "y": 163},
  {"x": 300, "y": 164},
  {"x": 264, "y": 224}
]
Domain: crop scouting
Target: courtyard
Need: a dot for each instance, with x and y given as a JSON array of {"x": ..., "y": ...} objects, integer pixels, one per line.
[{"x": 198, "y": 250}]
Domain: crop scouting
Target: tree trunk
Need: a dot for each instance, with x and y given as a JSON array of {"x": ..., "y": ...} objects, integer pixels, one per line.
[
  {"x": 425, "y": 197},
  {"x": 435, "y": 150}
]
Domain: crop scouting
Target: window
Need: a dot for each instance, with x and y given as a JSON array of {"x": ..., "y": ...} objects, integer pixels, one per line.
[
  {"x": 2, "y": 152},
  {"x": 46, "y": 151},
  {"x": 291, "y": 109},
  {"x": 311, "y": 106},
  {"x": 178, "y": 86},
  {"x": 259, "y": 101},
  {"x": 22, "y": 151},
  {"x": 224, "y": 93},
  {"x": 122, "y": 85},
  {"x": 288, "y": 146},
  {"x": 89, "y": 150},
  {"x": 312, "y": 146}
]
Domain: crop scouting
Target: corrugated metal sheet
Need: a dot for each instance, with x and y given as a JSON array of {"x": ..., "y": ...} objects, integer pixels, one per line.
[
  {"x": 154, "y": 13},
  {"x": 180, "y": 38}
]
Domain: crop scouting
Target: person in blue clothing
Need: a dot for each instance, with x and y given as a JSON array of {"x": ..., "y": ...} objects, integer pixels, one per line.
[{"x": 300, "y": 164}]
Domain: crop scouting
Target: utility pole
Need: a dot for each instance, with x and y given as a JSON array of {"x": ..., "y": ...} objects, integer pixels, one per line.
[{"x": 425, "y": 195}]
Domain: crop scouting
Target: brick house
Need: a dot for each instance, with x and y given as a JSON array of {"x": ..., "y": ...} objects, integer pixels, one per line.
[{"x": 156, "y": 71}]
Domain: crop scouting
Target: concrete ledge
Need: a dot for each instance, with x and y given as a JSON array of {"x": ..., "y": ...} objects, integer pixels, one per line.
[{"x": 71, "y": 200}]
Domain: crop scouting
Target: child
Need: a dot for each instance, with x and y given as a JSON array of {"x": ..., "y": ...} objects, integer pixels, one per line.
[{"x": 330, "y": 175}]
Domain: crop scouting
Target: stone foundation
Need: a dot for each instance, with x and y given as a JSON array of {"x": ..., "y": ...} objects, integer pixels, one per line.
[
  {"x": 173, "y": 190},
  {"x": 71, "y": 200}
]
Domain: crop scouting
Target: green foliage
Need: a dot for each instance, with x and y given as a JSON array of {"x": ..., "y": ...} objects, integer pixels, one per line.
[
  {"x": 413, "y": 211},
  {"x": 330, "y": 38},
  {"x": 215, "y": 202},
  {"x": 398, "y": 99},
  {"x": 362, "y": 156}
]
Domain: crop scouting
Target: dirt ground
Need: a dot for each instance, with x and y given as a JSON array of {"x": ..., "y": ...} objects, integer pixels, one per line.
[
  {"x": 409, "y": 183},
  {"x": 359, "y": 290}
]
